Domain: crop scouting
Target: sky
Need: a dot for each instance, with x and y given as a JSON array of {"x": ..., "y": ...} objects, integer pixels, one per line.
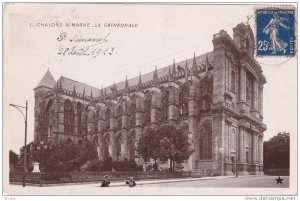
[{"x": 162, "y": 33}]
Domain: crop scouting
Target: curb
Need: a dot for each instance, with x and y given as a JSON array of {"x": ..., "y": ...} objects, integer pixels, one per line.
[{"x": 117, "y": 184}]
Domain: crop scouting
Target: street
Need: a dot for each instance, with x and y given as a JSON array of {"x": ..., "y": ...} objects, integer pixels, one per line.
[
  {"x": 246, "y": 185},
  {"x": 240, "y": 182}
]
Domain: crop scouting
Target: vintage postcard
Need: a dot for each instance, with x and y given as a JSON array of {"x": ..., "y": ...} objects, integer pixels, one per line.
[{"x": 150, "y": 99}]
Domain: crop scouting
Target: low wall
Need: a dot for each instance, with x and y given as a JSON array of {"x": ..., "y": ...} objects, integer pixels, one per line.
[{"x": 78, "y": 177}]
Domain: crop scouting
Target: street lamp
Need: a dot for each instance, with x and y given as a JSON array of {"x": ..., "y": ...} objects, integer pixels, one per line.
[{"x": 25, "y": 148}]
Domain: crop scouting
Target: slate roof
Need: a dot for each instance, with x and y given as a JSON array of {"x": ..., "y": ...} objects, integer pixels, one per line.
[{"x": 47, "y": 80}]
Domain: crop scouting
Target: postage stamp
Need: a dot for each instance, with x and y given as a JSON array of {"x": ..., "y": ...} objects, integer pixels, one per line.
[{"x": 275, "y": 32}]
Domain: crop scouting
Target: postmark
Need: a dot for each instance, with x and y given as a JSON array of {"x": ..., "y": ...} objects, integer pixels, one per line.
[{"x": 275, "y": 32}]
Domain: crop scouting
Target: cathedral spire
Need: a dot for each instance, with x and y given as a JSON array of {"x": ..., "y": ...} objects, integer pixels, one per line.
[
  {"x": 206, "y": 63},
  {"x": 194, "y": 63},
  {"x": 155, "y": 77},
  {"x": 174, "y": 69},
  {"x": 74, "y": 90},
  {"x": 83, "y": 94},
  {"x": 140, "y": 84},
  {"x": 114, "y": 91},
  {"x": 101, "y": 91},
  {"x": 126, "y": 89},
  {"x": 186, "y": 71},
  {"x": 104, "y": 93},
  {"x": 170, "y": 77},
  {"x": 47, "y": 80}
]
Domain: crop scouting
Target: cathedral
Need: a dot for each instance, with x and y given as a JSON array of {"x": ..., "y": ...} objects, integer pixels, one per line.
[{"x": 218, "y": 95}]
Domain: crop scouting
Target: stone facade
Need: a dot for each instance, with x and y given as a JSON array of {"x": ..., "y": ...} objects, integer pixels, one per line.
[{"x": 219, "y": 95}]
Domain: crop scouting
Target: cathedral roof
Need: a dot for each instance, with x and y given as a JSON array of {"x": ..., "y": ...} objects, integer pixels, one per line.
[
  {"x": 148, "y": 77},
  {"x": 47, "y": 80},
  {"x": 69, "y": 84}
]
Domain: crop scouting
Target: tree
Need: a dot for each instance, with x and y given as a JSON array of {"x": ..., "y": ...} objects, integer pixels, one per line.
[
  {"x": 13, "y": 158},
  {"x": 174, "y": 144},
  {"x": 277, "y": 151},
  {"x": 148, "y": 145}
]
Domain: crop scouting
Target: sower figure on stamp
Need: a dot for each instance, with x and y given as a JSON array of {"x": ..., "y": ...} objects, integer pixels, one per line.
[
  {"x": 273, "y": 30},
  {"x": 105, "y": 182}
]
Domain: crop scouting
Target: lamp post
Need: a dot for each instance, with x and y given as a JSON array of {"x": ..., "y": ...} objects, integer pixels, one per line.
[{"x": 18, "y": 107}]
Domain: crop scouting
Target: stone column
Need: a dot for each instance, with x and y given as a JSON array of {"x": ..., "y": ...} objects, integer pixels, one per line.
[
  {"x": 102, "y": 128},
  {"x": 101, "y": 146},
  {"x": 193, "y": 121},
  {"x": 254, "y": 108},
  {"x": 61, "y": 123},
  {"x": 261, "y": 88},
  {"x": 90, "y": 126},
  {"x": 262, "y": 150},
  {"x": 242, "y": 146},
  {"x": 113, "y": 125},
  {"x": 242, "y": 83},
  {"x": 155, "y": 106},
  {"x": 173, "y": 101},
  {"x": 219, "y": 68},
  {"x": 218, "y": 141}
]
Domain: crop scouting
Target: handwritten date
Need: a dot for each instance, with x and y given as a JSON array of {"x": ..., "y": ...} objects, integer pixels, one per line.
[{"x": 79, "y": 45}]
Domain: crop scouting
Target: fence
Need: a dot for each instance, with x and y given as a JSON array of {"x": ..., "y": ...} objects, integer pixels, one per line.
[
  {"x": 206, "y": 173},
  {"x": 78, "y": 177}
]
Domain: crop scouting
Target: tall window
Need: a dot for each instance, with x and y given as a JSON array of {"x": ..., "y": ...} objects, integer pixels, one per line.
[
  {"x": 233, "y": 81},
  {"x": 132, "y": 111},
  {"x": 79, "y": 117},
  {"x": 68, "y": 118},
  {"x": 183, "y": 100},
  {"x": 96, "y": 121},
  {"x": 119, "y": 120},
  {"x": 233, "y": 140},
  {"x": 205, "y": 141},
  {"x": 119, "y": 141},
  {"x": 164, "y": 106},
  {"x": 131, "y": 142},
  {"x": 147, "y": 114},
  {"x": 106, "y": 145}
]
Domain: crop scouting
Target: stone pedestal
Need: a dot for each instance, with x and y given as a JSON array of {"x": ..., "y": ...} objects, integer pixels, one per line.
[{"x": 36, "y": 167}]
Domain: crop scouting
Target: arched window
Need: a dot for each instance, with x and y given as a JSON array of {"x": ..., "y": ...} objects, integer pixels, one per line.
[
  {"x": 96, "y": 121},
  {"x": 106, "y": 145},
  {"x": 164, "y": 104},
  {"x": 68, "y": 118},
  {"x": 95, "y": 140},
  {"x": 119, "y": 141},
  {"x": 119, "y": 118},
  {"x": 68, "y": 141},
  {"x": 131, "y": 143},
  {"x": 233, "y": 81},
  {"x": 107, "y": 119},
  {"x": 147, "y": 114},
  {"x": 79, "y": 117},
  {"x": 132, "y": 111},
  {"x": 183, "y": 100},
  {"x": 205, "y": 141}
]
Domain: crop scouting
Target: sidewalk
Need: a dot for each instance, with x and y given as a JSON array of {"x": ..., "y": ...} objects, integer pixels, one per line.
[
  {"x": 138, "y": 182},
  {"x": 144, "y": 182}
]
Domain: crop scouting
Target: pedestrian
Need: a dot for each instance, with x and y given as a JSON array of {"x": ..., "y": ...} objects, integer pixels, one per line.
[
  {"x": 131, "y": 182},
  {"x": 105, "y": 182}
]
